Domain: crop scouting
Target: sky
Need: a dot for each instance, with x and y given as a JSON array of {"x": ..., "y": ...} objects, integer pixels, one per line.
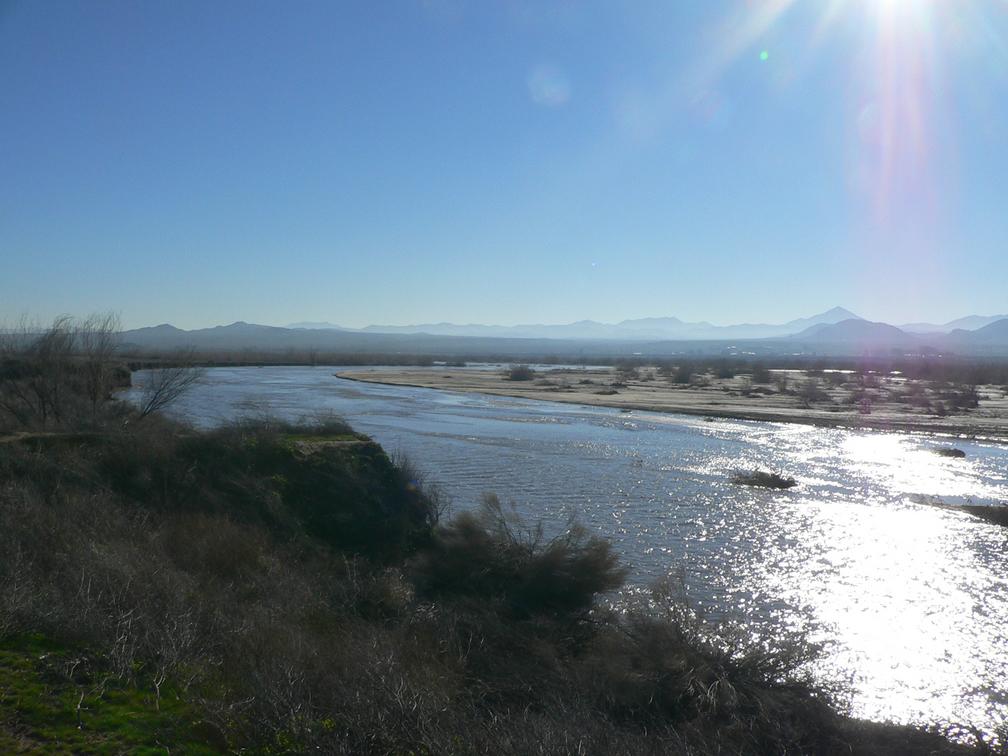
[{"x": 510, "y": 161}]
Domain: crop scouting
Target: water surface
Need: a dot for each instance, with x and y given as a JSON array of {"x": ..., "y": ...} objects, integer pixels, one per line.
[{"x": 914, "y": 597}]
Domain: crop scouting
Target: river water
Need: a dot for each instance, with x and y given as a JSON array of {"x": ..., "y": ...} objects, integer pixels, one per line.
[{"x": 912, "y": 598}]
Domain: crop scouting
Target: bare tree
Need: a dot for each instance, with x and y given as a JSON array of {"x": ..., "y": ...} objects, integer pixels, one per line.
[
  {"x": 96, "y": 340},
  {"x": 36, "y": 371},
  {"x": 163, "y": 386}
]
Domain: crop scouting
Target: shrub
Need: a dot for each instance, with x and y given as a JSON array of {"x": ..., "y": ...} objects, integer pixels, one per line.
[
  {"x": 810, "y": 392},
  {"x": 493, "y": 555},
  {"x": 205, "y": 589},
  {"x": 683, "y": 375},
  {"x": 724, "y": 370},
  {"x": 628, "y": 372},
  {"x": 520, "y": 373}
]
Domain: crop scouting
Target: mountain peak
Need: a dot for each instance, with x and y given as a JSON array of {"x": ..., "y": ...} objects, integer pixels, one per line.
[{"x": 842, "y": 313}]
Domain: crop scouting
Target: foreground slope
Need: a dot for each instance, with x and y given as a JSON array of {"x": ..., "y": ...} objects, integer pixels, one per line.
[{"x": 281, "y": 589}]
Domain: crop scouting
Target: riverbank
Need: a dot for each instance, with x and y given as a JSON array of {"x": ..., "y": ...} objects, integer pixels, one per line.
[
  {"x": 838, "y": 400},
  {"x": 361, "y": 623}
]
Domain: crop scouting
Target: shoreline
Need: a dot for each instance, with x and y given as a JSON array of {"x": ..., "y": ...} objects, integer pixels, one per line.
[{"x": 689, "y": 402}]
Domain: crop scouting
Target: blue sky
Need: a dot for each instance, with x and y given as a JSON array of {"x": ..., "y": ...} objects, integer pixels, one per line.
[{"x": 506, "y": 162}]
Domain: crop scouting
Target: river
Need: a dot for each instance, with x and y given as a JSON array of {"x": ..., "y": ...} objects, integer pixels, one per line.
[{"x": 911, "y": 598}]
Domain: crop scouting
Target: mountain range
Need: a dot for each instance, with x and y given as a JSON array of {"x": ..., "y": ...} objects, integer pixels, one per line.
[
  {"x": 642, "y": 329},
  {"x": 656, "y": 329},
  {"x": 836, "y": 331}
]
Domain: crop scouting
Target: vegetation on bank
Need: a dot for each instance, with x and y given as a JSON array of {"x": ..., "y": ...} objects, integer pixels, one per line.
[
  {"x": 945, "y": 371},
  {"x": 519, "y": 373},
  {"x": 286, "y": 588}
]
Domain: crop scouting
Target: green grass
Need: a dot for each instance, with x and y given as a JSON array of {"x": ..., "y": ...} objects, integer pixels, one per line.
[{"x": 57, "y": 699}]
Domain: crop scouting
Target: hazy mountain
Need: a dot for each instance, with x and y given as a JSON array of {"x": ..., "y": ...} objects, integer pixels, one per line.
[
  {"x": 578, "y": 340},
  {"x": 238, "y": 335},
  {"x": 583, "y": 329},
  {"x": 250, "y": 339},
  {"x": 836, "y": 315},
  {"x": 857, "y": 332},
  {"x": 995, "y": 333},
  {"x": 308, "y": 325},
  {"x": 164, "y": 336},
  {"x": 641, "y": 329},
  {"x": 968, "y": 323}
]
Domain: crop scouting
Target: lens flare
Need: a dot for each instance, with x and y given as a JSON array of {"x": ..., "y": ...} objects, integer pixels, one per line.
[{"x": 899, "y": 124}]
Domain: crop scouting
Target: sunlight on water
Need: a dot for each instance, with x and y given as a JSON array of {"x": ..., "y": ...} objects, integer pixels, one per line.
[
  {"x": 911, "y": 599},
  {"x": 903, "y": 465}
]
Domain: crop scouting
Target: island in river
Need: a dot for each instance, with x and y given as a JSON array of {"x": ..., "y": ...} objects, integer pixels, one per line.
[{"x": 833, "y": 399}]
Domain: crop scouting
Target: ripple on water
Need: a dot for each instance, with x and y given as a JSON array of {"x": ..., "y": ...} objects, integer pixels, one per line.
[{"x": 913, "y": 598}]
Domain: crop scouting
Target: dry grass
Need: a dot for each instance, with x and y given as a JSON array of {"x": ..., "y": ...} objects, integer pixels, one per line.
[
  {"x": 212, "y": 564},
  {"x": 297, "y": 589}
]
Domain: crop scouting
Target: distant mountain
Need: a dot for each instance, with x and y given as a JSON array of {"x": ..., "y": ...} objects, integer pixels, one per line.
[
  {"x": 975, "y": 322},
  {"x": 238, "y": 335},
  {"x": 995, "y": 333},
  {"x": 315, "y": 326},
  {"x": 855, "y": 336},
  {"x": 164, "y": 328},
  {"x": 163, "y": 336},
  {"x": 836, "y": 315},
  {"x": 629, "y": 338},
  {"x": 968, "y": 323},
  {"x": 641, "y": 329},
  {"x": 862, "y": 333}
]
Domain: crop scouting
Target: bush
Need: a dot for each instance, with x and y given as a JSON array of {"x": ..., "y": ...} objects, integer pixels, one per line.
[
  {"x": 683, "y": 375},
  {"x": 724, "y": 370},
  {"x": 200, "y": 580},
  {"x": 628, "y": 372},
  {"x": 520, "y": 373},
  {"x": 492, "y": 555},
  {"x": 810, "y": 393}
]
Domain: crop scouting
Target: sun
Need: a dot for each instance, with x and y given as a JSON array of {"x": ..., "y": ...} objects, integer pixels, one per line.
[
  {"x": 900, "y": 10},
  {"x": 897, "y": 52}
]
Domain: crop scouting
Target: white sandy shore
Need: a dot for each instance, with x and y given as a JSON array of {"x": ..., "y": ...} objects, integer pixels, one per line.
[{"x": 718, "y": 398}]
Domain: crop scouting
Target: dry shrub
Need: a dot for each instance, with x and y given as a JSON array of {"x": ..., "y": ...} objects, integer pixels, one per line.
[
  {"x": 492, "y": 555},
  {"x": 179, "y": 559}
]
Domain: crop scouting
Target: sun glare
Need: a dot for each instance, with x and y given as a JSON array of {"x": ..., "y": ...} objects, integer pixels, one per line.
[{"x": 896, "y": 69}]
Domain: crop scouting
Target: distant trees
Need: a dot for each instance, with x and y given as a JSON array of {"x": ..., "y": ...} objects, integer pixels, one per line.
[
  {"x": 683, "y": 375},
  {"x": 760, "y": 374},
  {"x": 809, "y": 393}
]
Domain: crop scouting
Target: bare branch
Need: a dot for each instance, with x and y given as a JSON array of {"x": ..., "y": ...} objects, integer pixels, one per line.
[{"x": 163, "y": 386}]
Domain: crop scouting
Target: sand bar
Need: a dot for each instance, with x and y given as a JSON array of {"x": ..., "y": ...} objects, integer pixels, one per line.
[{"x": 708, "y": 396}]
